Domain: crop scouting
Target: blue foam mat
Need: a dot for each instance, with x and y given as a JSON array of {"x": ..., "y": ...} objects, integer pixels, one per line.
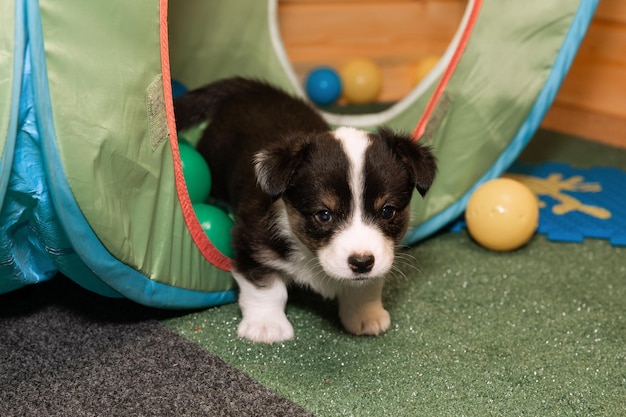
[{"x": 575, "y": 203}]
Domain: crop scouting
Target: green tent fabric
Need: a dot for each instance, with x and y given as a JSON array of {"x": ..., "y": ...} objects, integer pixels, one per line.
[{"x": 95, "y": 111}]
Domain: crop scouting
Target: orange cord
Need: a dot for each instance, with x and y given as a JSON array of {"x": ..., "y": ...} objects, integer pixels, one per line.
[
  {"x": 198, "y": 235},
  {"x": 443, "y": 82}
]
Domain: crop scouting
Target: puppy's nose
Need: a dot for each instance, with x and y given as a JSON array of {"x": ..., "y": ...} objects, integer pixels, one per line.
[{"x": 361, "y": 263}]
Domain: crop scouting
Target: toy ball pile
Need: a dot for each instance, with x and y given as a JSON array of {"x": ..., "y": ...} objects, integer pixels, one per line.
[
  {"x": 214, "y": 221},
  {"x": 359, "y": 81}
]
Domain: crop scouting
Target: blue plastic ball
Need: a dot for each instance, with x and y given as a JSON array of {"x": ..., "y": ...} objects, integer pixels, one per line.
[
  {"x": 178, "y": 88},
  {"x": 323, "y": 86}
]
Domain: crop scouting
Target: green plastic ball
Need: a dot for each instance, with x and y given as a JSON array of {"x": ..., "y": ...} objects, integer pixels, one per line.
[
  {"x": 197, "y": 174},
  {"x": 217, "y": 225},
  {"x": 182, "y": 141}
]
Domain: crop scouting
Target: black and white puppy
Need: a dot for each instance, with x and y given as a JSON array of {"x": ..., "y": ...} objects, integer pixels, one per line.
[{"x": 317, "y": 207}]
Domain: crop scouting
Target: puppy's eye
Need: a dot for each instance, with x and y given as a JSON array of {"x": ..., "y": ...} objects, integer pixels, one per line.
[
  {"x": 323, "y": 216},
  {"x": 388, "y": 212}
]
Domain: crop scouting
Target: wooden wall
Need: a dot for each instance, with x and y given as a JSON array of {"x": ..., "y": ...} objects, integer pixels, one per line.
[
  {"x": 592, "y": 99},
  {"x": 591, "y": 102}
]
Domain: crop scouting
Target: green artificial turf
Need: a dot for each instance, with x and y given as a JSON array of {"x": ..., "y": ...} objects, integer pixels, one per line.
[{"x": 540, "y": 331}]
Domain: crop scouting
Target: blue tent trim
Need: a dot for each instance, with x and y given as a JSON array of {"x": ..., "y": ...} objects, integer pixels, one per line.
[{"x": 94, "y": 267}]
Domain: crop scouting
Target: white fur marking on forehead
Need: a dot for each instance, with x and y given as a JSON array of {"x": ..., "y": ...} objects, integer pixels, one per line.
[{"x": 355, "y": 143}]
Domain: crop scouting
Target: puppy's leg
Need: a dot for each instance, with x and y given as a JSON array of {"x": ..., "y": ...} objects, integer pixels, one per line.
[
  {"x": 361, "y": 309},
  {"x": 263, "y": 310}
]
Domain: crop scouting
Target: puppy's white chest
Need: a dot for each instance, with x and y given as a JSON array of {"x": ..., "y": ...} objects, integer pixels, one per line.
[{"x": 304, "y": 269}]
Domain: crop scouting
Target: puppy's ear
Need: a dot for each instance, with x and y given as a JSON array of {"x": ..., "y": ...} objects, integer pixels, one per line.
[
  {"x": 275, "y": 166},
  {"x": 418, "y": 159}
]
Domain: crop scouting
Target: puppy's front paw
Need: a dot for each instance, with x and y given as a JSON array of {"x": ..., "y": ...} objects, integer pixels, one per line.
[
  {"x": 265, "y": 330},
  {"x": 370, "y": 320}
]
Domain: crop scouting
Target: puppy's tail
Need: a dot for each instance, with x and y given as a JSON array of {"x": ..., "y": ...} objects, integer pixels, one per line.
[{"x": 198, "y": 105}]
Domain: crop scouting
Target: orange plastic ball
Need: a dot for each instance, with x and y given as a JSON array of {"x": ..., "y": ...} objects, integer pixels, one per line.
[
  {"x": 362, "y": 81},
  {"x": 502, "y": 214},
  {"x": 423, "y": 67}
]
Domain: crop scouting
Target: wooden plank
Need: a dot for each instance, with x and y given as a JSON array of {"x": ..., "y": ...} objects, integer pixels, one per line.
[
  {"x": 597, "y": 79},
  {"x": 604, "y": 42},
  {"x": 383, "y": 31},
  {"x": 387, "y": 2},
  {"x": 595, "y": 88},
  {"x": 592, "y": 99},
  {"x": 612, "y": 11},
  {"x": 598, "y": 127}
]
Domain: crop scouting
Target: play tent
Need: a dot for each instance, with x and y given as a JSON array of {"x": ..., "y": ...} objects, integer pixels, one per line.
[{"x": 91, "y": 182}]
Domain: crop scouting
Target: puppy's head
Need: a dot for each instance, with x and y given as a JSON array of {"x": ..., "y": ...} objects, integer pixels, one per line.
[{"x": 347, "y": 194}]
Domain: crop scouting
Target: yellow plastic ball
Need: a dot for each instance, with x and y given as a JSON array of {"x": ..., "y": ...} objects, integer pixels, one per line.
[
  {"x": 423, "y": 67},
  {"x": 362, "y": 81},
  {"x": 502, "y": 214}
]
